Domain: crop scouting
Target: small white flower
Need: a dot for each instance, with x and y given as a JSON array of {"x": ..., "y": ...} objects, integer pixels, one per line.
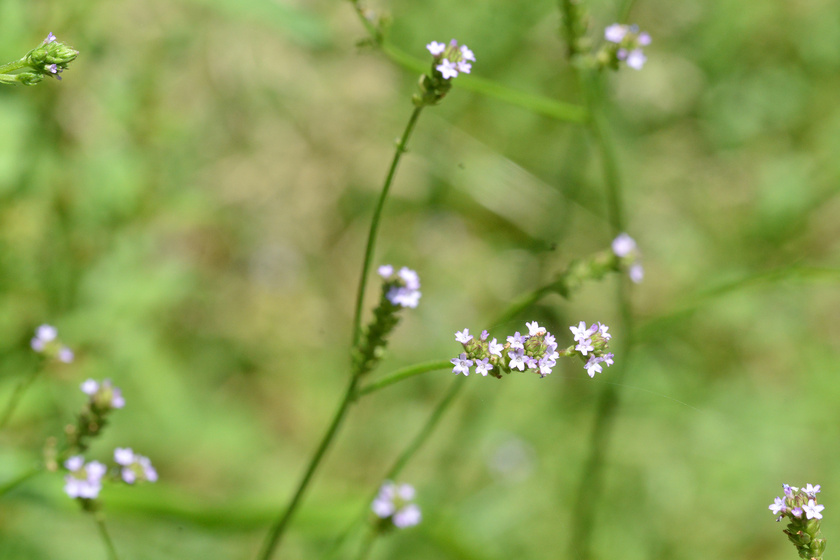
[
  {"x": 615, "y": 33},
  {"x": 812, "y": 510},
  {"x": 436, "y": 48},
  {"x": 463, "y": 336}
]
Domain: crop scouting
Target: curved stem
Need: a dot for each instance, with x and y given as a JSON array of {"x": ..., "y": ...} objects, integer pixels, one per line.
[
  {"x": 273, "y": 538},
  {"x": 401, "y": 374},
  {"x": 103, "y": 532},
  {"x": 374, "y": 226},
  {"x": 12, "y": 66},
  {"x": 16, "y": 396},
  {"x": 20, "y": 479}
]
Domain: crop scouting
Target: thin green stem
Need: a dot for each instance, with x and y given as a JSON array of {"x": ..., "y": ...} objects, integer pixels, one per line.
[
  {"x": 21, "y": 388},
  {"x": 402, "y": 460},
  {"x": 276, "y": 532},
  {"x": 12, "y": 66},
  {"x": 374, "y": 226},
  {"x": 590, "y": 486},
  {"x": 624, "y": 11},
  {"x": 103, "y": 532},
  {"x": 367, "y": 545},
  {"x": 401, "y": 374},
  {"x": 20, "y": 479}
]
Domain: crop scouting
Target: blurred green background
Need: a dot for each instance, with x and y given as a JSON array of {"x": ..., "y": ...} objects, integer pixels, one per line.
[{"x": 189, "y": 207}]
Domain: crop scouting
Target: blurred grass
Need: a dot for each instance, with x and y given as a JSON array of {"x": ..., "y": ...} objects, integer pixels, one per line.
[{"x": 188, "y": 204}]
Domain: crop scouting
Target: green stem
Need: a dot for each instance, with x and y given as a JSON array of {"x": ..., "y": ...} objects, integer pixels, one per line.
[
  {"x": 20, "y": 479},
  {"x": 401, "y": 374},
  {"x": 12, "y": 66},
  {"x": 16, "y": 396},
  {"x": 276, "y": 532},
  {"x": 590, "y": 486},
  {"x": 103, "y": 532},
  {"x": 367, "y": 545},
  {"x": 412, "y": 448},
  {"x": 374, "y": 226}
]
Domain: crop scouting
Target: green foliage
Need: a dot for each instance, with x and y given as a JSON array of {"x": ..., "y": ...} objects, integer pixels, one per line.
[{"x": 189, "y": 207}]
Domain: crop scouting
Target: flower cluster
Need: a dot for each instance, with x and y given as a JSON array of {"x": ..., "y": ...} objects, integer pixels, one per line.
[
  {"x": 624, "y": 247},
  {"x": 134, "y": 467},
  {"x": 804, "y": 513},
  {"x": 102, "y": 399},
  {"x": 624, "y": 44},
  {"x": 451, "y": 59},
  {"x": 393, "y": 505},
  {"x": 592, "y": 344},
  {"x": 50, "y": 58},
  {"x": 536, "y": 351},
  {"x": 103, "y": 396},
  {"x": 84, "y": 480},
  {"x": 46, "y": 341},
  {"x": 401, "y": 289}
]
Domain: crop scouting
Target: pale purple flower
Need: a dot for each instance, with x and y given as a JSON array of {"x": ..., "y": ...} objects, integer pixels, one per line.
[
  {"x": 84, "y": 481},
  {"x": 644, "y": 39},
  {"x": 585, "y": 346},
  {"x": 581, "y": 332},
  {"x": 545, "y": 366},
  {"x": 637, "y": 273},
  {"x": 90, "y": 387},
  {"x": 615, "y": 33},
  {"x": 484, "y": 335},
  {"x": 534, "y": 329},
  {"x": 517, "y": 359},
  {"x": 407, "y": 516},
  {"x": 495, "y": 348},
  {"x": 789, "y": 490},
  {"x": 621, "y": 54},
  {"x": 467, "y": 54},
  {"x": 447, "y": 69},
  {"x": 462, "y": 364},
  {"x": 436, "y": 48},
  {"x": 602, "y": 330},
  {"x": 410, "y": 277},
  {"x": 483, "y": 366},
  {"x": 394, "y": 501},
  {"x": 65, "y": 355},
  {"x": 123, "y": 456},
  {"x": 812, "y": 510},
  {"x": 50, "y": 38},
  {"x": 778, "y": 506},
  {"x": 623, "y": 245},
  {"x": 636, "y": 59},
  {"x": 796, "y": 512},
  {"x": 148, "y": 470},
  {"x": 463, "y": 66},
  {"x": 385, "y": 271},
  {"x": 517, "y": 341},
  {"x": 593, "y": 366},
  {"x": 811, "y": 490},
  {"x": 43, "y": 335},
  {"x": 463, "y": 336},
  {"x": 608, "y": 359}
]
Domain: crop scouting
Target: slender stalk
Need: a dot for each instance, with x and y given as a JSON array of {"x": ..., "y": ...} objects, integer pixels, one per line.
[
  {"x": 17, "y": 481},
  {"x": 590, "y": 486},
  {"x": 103, "y": 532},
  {"x": 402, "y": 460},
  {"x": 276, "y": 532},
  {"x": 12, "y": 66},
  {"x": 16, "y": 396},
  {"x": 367, "y": 545},
  {"x": 374, "y": 226},
  {"x": 278, "y": 528},
  {"x": 402, "y": 374}
]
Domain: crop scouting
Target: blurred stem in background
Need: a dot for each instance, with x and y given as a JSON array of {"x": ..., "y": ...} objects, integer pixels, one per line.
[
  {"x": 20, "y": 389},
  {"x": 589, "y": 487},
  {"x": 106, "y": 538},
  {"x": 276, "y": 531}
]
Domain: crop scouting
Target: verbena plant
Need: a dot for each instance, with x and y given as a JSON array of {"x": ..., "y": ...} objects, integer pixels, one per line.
[{"x": 394, "y": 504}]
